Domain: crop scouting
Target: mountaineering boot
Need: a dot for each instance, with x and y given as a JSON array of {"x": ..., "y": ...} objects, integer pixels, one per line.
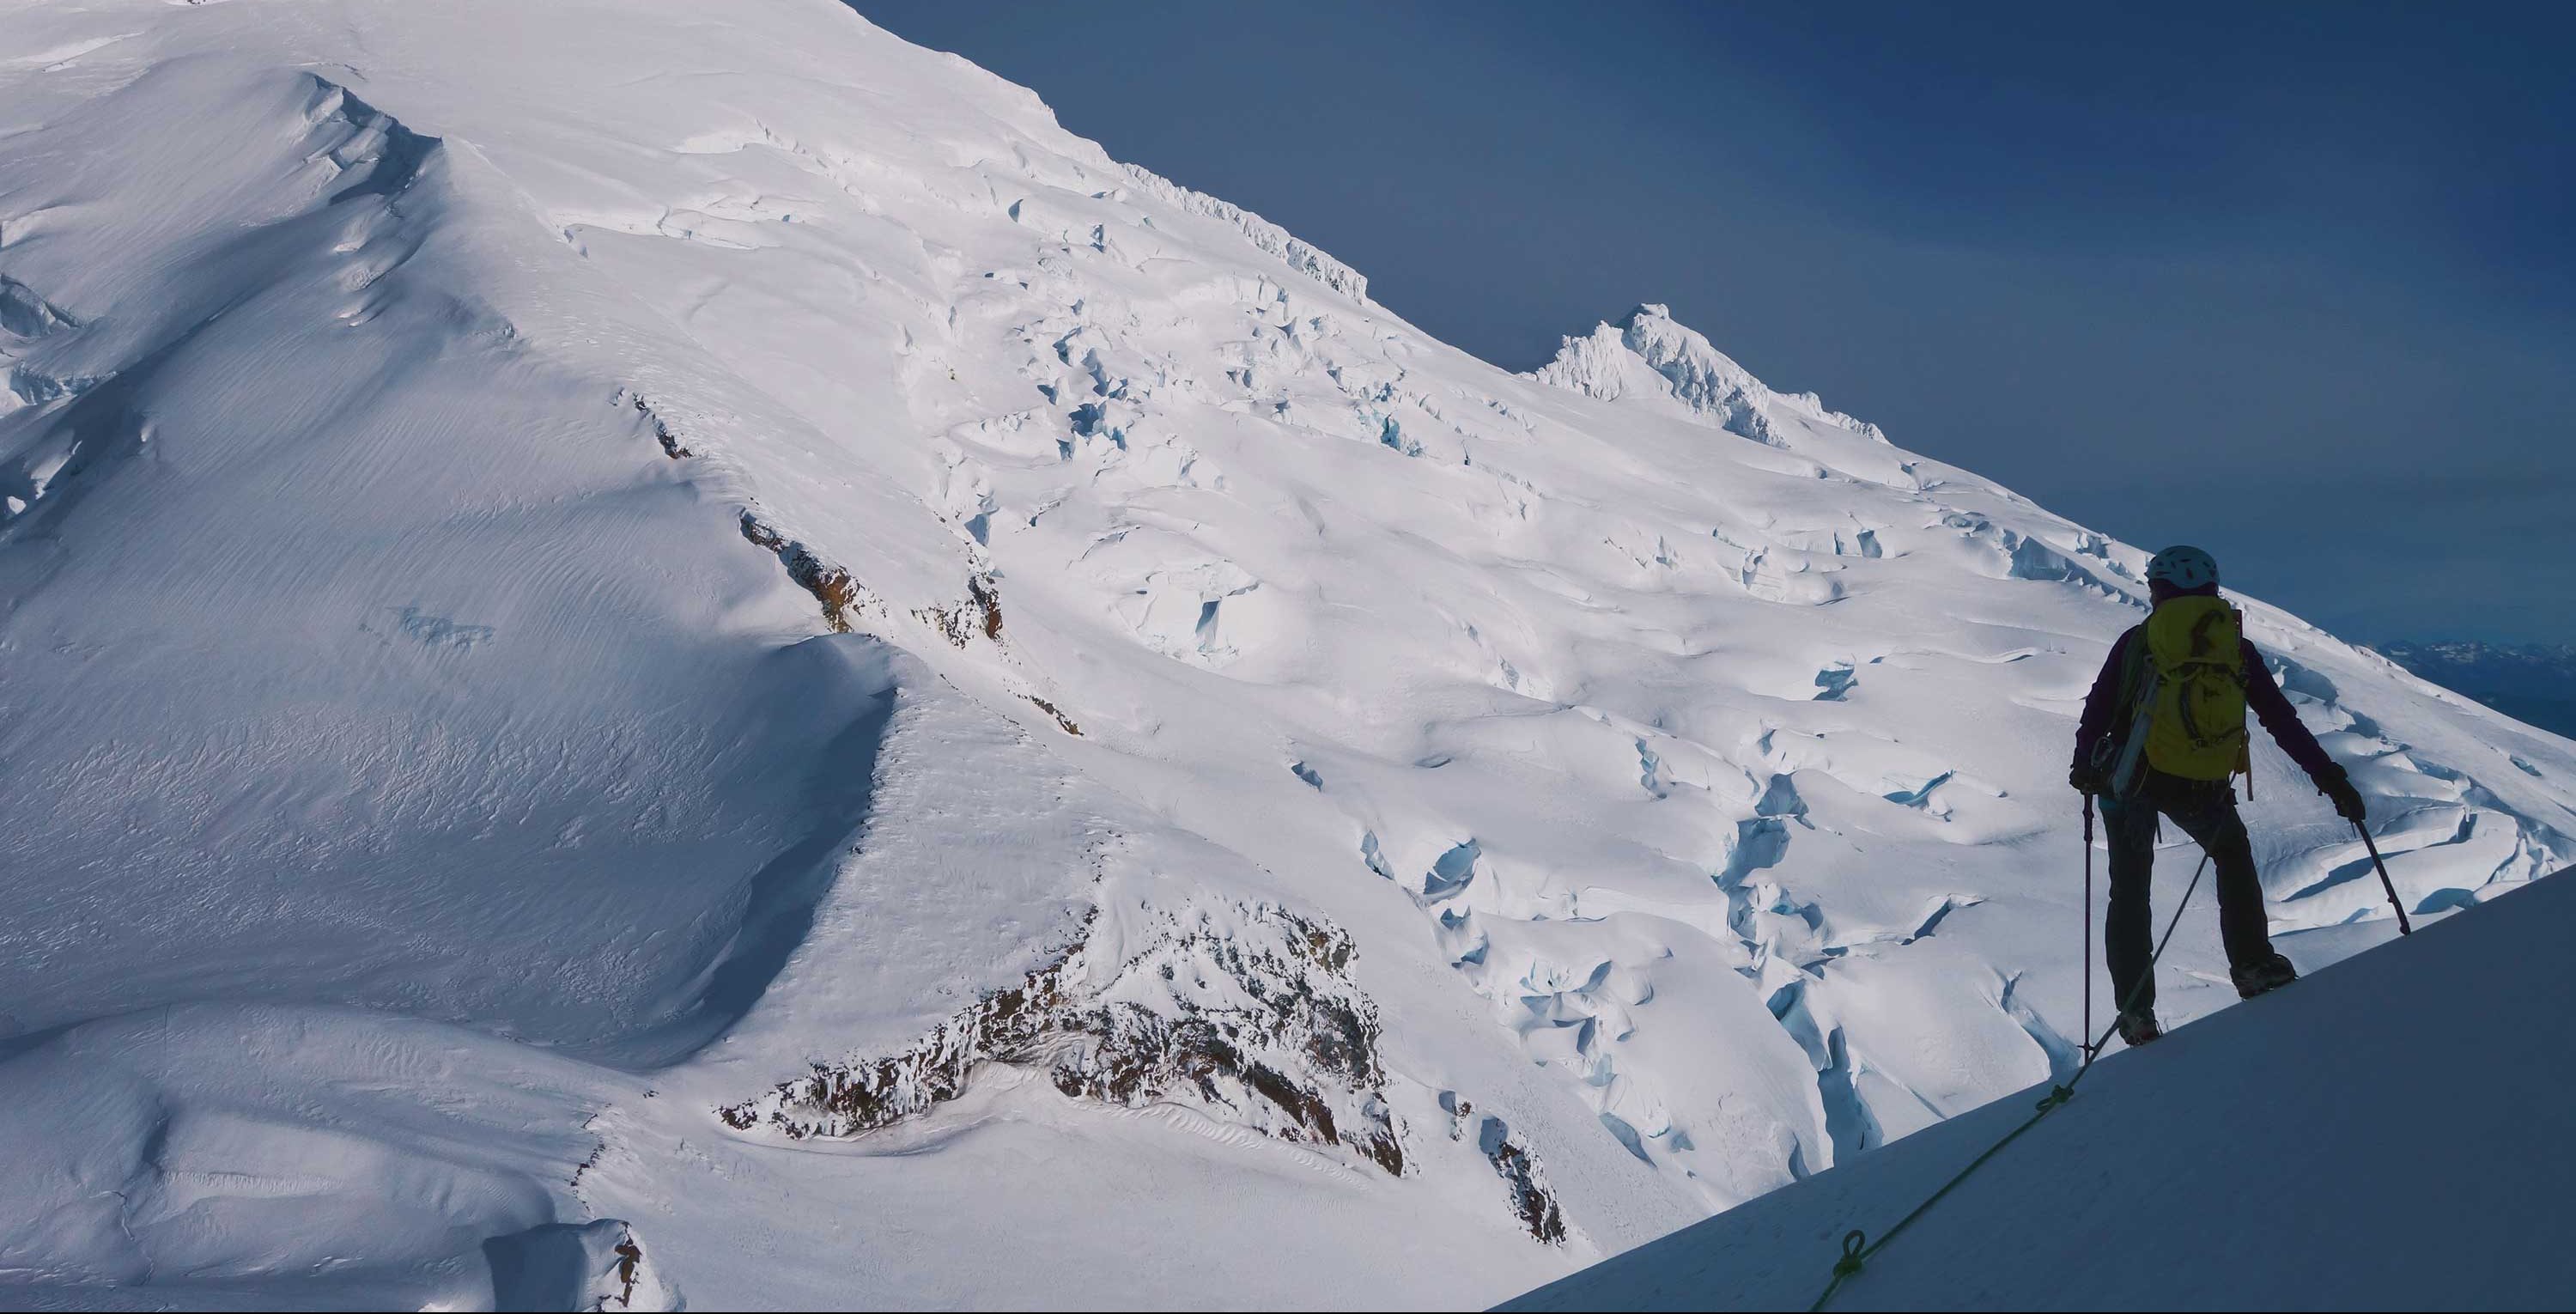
[
  {"x": 2269, "y": 974},
  {"x": 2138, "y": 1026}
]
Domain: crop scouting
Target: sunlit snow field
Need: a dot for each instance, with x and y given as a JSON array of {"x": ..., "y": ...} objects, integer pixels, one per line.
[{"x": 565, "y": 566}]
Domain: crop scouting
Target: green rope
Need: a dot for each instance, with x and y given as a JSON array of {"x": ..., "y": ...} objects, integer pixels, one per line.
[{"x": 1857, "y": 1247}]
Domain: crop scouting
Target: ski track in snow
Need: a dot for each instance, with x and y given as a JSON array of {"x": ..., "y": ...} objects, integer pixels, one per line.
[{"x": 550, "y": 587}]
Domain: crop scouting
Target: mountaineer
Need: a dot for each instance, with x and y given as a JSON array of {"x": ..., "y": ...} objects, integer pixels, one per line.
[{"x": 2163, "y": 734}]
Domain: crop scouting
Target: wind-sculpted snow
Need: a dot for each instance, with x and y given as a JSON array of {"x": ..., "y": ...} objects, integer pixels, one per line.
[{"x": 707, "y": 552}]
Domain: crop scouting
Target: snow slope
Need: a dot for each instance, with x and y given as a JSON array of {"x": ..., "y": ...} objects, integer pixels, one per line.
[
  {"x": 693, "y": 619},
  {"x": 2291, "y": 1155}
]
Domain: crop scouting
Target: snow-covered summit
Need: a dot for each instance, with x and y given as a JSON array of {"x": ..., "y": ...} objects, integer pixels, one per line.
[
  {"x": 1648, "y": 353},
  {"x": 697, "y": 629}
]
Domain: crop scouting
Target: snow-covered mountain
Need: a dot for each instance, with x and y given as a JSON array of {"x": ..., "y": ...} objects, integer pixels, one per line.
[
  {"x": 2533, "y": 682},
  {"x": 690, "y": 623}
]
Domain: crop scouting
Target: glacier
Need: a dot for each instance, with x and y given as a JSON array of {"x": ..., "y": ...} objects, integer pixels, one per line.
[{"x": 696, "y": 628}]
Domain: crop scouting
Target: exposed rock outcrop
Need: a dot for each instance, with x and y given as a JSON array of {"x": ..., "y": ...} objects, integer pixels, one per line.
[
  {"x": 1243, "y": 1012},
  {"x": 830, "y": 584}
]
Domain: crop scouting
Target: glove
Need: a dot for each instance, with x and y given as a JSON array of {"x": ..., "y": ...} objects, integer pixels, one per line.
[
  {"x": 2086, "y": 780},
  {"x": 2347, "y": 800}
]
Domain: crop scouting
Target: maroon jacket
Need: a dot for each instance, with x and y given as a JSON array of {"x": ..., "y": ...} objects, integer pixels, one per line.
[{"x": 2262, "y": 695}]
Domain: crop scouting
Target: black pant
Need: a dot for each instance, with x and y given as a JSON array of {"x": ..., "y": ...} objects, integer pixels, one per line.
[{"x": 2206, "y": 811}]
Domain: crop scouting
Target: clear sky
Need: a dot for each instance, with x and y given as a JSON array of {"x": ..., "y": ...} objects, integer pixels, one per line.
[{"x": 2295, "y": 283}]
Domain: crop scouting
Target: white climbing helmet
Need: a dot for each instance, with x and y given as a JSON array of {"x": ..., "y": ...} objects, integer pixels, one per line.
[{"x": 2184, "y": 568}]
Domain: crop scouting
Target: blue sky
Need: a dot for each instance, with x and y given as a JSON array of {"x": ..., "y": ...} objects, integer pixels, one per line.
[{"x": 2297, "y": 285}]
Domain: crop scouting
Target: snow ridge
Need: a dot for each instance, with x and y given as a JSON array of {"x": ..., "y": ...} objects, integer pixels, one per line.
[
  {"x": 1262, "y": 233},
  {"x": 1603, "y": 365},
  {"x": 2192, "y": 1177}
]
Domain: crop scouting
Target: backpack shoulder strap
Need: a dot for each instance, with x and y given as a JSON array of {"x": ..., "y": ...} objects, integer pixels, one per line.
[{"x": 2133, "y": 665}]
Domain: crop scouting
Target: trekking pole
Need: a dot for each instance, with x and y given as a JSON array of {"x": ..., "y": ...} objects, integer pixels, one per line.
[
  {"x": 2384, "y": 882},
  {"x": 2088, "y": 927}
]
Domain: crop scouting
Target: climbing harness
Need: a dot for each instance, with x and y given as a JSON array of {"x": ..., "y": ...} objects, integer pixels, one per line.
[
  {"x": 1857, "y": 1247},
  {"x": 2384, "y": 883}
]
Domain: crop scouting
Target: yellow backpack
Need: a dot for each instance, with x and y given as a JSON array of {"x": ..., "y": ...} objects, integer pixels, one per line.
[{"x": 2195, "y": 672}]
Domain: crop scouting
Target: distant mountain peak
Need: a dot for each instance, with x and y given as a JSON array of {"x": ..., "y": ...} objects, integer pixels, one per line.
[
  {"x": 2533, "y": 682},
  {"x": 1649, "y": 353}
]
